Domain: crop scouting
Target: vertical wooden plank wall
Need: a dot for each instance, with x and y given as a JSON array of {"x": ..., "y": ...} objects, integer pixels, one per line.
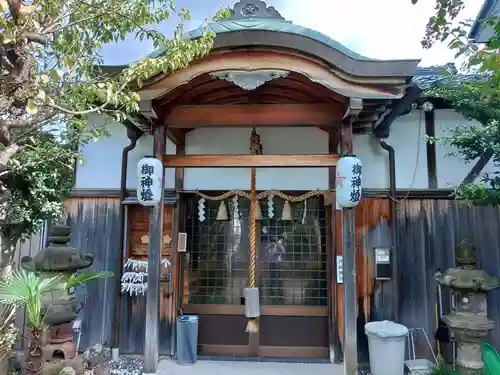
[
  {"x": 428, "y": 231},
  {"x": 94, "y": 230},
  {"x": 372, "y": 230}
]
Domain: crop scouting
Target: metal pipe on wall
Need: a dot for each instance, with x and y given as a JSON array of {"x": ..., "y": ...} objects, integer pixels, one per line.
[
  {"x": 394, "y": 229},
  {"x": 133, "y": 135}
]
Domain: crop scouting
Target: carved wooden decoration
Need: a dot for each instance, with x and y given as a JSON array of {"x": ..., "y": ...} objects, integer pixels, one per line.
[{"x": 250, "y": 80}]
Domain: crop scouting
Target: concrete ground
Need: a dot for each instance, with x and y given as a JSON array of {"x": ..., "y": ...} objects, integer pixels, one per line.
[{"x": 204, "y": 367}]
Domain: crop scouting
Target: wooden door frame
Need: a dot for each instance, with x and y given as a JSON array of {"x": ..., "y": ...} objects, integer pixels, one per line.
[{"x": 253, "y": 347}]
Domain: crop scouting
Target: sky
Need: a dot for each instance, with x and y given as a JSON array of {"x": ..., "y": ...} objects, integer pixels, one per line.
[{"x": 381, "y": 29}]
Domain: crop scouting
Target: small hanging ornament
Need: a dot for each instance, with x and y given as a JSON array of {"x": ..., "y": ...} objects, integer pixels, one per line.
[
  {"x": 236, "y": 207},
  {"x": 201, "y": 210},
  {"x": 258, "y": 211},
  {"x": 287, "y": 212},
  {"x": 305, "y": 212},
  {"x": 270, "y": 206},
  {"x": 222, "y": 213}
]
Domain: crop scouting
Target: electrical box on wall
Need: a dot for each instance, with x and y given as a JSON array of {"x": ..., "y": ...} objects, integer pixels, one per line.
[{"x": 383, "y": 266}]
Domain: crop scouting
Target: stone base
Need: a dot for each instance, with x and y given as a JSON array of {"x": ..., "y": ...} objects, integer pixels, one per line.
[
  {"x": 65, "y": 351},
  {"x": 55, "y": 367},
  {"x": 469, "y": 357},
  {"x": 468, "y": 371}
]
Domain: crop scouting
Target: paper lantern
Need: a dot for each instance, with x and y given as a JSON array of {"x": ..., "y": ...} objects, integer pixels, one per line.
[
  {"x": 349, "y": 181},
  {"x": 149, "y": 181}
]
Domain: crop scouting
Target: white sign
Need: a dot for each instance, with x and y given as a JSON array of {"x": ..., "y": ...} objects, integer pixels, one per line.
[
  {"x": 349, "y": 181},
  {"x": 149, "y": 181},
  {"x": 340, "y": 269}
]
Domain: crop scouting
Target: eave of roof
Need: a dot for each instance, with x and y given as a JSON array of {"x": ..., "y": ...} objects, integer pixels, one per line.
[{"x": 484, "y": 12}]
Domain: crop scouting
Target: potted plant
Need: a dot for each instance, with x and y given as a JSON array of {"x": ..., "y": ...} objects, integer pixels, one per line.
[
  {"x": 8, "y": 335},
  {"x": 24, "y": 289}
]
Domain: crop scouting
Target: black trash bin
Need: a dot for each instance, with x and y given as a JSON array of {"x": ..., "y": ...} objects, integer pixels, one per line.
[{"x": 187, "y": 339}]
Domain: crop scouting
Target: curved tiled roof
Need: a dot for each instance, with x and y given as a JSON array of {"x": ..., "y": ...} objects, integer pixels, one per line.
[
  {"x": 446, "y": 74},
  {"x": 276, "y": 25},
  {"x": 265, "y": 20},
  {"x": 253, "y": 23}
]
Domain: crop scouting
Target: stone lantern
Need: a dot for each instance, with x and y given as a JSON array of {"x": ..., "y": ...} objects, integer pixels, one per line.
[
  {"x": 468, "y": 317},
  {"x": 59, "y": 308}
]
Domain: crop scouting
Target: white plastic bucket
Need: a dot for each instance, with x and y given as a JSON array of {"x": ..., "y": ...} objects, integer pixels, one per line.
[{"x": 386, "y": 344}]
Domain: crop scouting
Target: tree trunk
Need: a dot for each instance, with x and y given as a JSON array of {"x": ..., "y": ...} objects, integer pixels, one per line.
[
  {"x": 4, "y": 365},
  {"x": 7, "y": 244}
]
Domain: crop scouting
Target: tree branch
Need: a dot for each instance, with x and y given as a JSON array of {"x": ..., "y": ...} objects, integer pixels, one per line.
[
  {"x": 15, "y": 9},
  {"x": 37, "y": 38},
  {"x": 6, "y": 154},
  {"x": 35, "y": 120},
  {"x": 88, "y": 111}
]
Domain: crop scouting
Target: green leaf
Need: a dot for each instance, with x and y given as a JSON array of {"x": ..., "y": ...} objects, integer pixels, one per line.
[
  {"x": 41, "y": 95},
  {"x": 67, "y": 73},
  {"x": 44, "y": 79},
  {"x": 31, "y": 107},
  {"x": 56, "y": 74}
]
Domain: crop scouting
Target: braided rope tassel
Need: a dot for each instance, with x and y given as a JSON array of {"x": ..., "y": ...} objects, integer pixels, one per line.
[{"x": 252, "y": 325}]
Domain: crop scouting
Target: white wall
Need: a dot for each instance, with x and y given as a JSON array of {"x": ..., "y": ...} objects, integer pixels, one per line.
[
  {"x": 101, "y": 168},
  {"x": 407, "y": 139},
  {"x": 274, "y": 141},
  {"x": 452, "y": 170}
]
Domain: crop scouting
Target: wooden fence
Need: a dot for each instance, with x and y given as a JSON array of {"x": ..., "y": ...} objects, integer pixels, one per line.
[{"x": 428, "y": 231}]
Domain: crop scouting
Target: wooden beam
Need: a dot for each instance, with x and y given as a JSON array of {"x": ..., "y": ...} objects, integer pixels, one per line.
[
  {"x": 177, "y": 136},
  {"x": 478, "y": 167},
  {"x": 400, "y": 106},
  {"x": 255, "y": 115},
  {"x": 430, "y": 131},
  {"x": 259, "y": 161}
]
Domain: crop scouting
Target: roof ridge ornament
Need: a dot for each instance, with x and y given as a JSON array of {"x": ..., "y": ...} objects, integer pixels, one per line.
[{"x": 247, "y": 9}]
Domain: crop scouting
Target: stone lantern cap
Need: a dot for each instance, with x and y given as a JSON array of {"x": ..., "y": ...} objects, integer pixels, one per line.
[
  {"x": 475, "y": 280},
  {"x": 57, "y": 257},
  {"x": 466, "y": 275}
]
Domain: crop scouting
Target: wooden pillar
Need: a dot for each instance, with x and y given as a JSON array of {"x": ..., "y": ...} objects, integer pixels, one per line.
[
  {"x": 175, "y": 287},
  {"x": 430, "y": 131},
  {"x": 152, "y": 339},
  {"x": 349, "y": 254},
  {"x": 334, "y": 334}
]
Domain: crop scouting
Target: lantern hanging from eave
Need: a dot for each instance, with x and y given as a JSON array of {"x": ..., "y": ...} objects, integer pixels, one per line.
[
  {"x": 349, "y": 181},
  {"x": 149, "y": 181}
]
